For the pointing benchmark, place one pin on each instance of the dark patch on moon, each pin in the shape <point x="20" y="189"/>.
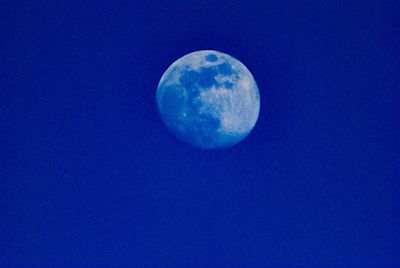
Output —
<point x="189" y="78"/>
<point x="207" y="78"/>
<point x="171" y="103"/>
<point x="211" y="58"/>
<point x="225" y="69"/>
<point x="228" y="85"/>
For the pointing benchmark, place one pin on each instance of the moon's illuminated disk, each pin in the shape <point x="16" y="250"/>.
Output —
<point x="208" y="99"/>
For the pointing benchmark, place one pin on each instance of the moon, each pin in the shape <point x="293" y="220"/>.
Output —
<point x="208" y="99"/>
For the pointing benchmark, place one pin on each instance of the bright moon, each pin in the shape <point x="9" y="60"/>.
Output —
<point x="208" y="99"/>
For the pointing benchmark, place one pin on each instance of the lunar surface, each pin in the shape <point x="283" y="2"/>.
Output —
<point x="208" y="99"/>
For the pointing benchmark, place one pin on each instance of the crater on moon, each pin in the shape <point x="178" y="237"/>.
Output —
<point x="208" y="99"/>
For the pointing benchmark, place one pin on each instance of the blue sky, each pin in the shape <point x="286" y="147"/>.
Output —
<point x="90" y="176"/>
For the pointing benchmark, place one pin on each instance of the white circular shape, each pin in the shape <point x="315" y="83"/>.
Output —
<point x="208" y="99"/>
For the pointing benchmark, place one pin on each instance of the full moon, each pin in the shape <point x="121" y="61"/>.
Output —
<point x="208" y="99"/>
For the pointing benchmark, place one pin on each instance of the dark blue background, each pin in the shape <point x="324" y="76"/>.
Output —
<point x="90" y="177"/>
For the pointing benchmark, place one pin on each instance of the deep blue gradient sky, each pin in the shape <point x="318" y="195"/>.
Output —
<point x="90" y="177"/>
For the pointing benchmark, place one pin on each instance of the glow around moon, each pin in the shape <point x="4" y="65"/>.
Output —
<point x="208" y="99"/>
